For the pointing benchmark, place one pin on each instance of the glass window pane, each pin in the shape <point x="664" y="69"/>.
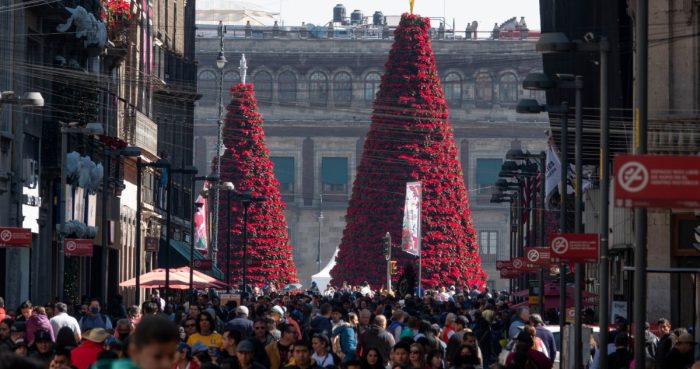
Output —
<point x="372" y="81"/>
<point x="484" y="87"/>
<point x="508" y="88"/>
<point x="284" y="172"/>
<point x="342" y="89"/>
<point x="207" y="87"/>
<point x="287" y="87"/>
<point x="493" y="242"/>
<point x="453" y="89"/>
<point x="318" y="89"/>
<point x="334" y="174"/>
<point x="263" y="86"/>
<point x="231" y="78"/>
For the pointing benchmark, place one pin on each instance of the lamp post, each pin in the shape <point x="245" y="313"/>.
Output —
<point x="163" y="164"/>
<point x="108" y="155"/>
<point x="320" y="222"/>
<point x="558" y="42"/>
<point x="66" y="129"/>
<point x="192" y="230"/>
<point x="246" y="198"/>
<point x="228" y="187"/>
<point x="220" y="64"/>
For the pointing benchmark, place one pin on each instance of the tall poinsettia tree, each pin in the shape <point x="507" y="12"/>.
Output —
<point x="410" y="139"/>
<point x="246" y="163"/>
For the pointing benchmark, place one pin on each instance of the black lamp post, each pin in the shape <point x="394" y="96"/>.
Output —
<point x="245" y="198"/>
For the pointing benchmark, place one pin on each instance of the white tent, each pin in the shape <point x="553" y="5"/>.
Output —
<point x="323" y="277"/>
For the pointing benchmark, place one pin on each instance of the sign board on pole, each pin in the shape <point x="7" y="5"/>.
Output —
<point x="202" y="264"/>
<point x="77" y="247"/>
<point x="539" y="256"/>
<point x="522" y="265"/>
<point x="618" y="310"/>
<point x="657" y="181"/>
<point x="575" y="247"/>
<point x="15" y="237"/>
<point x="411" y="232"/>
<point x="504" y="264"/>
<point x="152" y="244"/>
<point x="509" y="274"/>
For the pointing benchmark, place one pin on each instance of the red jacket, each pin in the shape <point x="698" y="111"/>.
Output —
<point x="86" y="354"/>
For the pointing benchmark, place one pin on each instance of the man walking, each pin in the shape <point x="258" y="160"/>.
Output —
<point x="62" y="319"/>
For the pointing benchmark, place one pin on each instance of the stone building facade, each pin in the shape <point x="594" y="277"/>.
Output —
<point x="316" y="96"/>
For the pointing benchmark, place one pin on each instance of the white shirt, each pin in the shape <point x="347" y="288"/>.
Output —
<point x="323" y="361"/>
<point x="64" y="320"/>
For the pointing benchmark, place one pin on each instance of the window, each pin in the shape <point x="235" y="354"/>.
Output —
<point x="508" y="88"/>
<point x="284" y="172"/>
<point x="342" y="89"/>
<point x="484" y="88"/>
<point x="287" y="87"/>
<point x="231" y="78"/>
<point x="487" y="174"/>
<point x="207" y="87"/>
<point x="263" y="86"/>
<point x="488" y="242"/>
<point x="453" y="89"/>
<point x="334" y="175"/>
<point x="318" y="89"/>
<point x="372" y="81"/>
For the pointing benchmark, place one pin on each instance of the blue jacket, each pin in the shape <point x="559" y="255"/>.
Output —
<point x="348" y="341"/>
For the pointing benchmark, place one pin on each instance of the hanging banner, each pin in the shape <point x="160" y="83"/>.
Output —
<point x="77" y="247"/>
<point x="411" y="232"/>
<point x="521" y="264"/>
<point x="202" y="264"/>
<point x="539" y="256"/>
<point x="200" y="225"/>
<point x="15" y="237"/>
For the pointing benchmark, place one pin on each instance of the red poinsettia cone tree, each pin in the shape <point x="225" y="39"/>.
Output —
<point x="410" y="139"/>
<point x="246" y="163"/>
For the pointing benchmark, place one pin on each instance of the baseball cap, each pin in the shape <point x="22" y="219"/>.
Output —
<point x="277" y="309"/>
<point x="42" y="335"/>
<point x="246" y="346"/>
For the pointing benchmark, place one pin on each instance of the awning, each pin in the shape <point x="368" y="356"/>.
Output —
<point x="181" y="257"/>
<point x="179" y="279"/>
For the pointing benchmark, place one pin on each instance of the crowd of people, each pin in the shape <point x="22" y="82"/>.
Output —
<point x="348" y="328"/>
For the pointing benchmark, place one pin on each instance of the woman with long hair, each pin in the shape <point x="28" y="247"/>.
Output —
<point x="372" y="359"/>
<point x="435" y="360"/>
<point x="205" y="332"/>
<point x="466" y="358"/>
<point x="416" y="357"/>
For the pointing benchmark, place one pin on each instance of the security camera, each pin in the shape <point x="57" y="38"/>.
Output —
<point x="589" y="37"/>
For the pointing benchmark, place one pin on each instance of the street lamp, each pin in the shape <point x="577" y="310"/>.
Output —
<point x="220" y="64"/>
<point x="558" y="42"/>
<point x="192" y="230"/>
<point x="540" y="81"/>
<point x="108" y="155"/>
<point x="29" y="99"/>
<point x="229" y="188"/>
<point x="66" y="129"/>
<point x="246" y="198"/>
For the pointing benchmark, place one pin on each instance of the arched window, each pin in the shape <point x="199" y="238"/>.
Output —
<point x="453" y="89"/>
<point x="287" y="87"/>
<point x="231" y="78"/>
<point x="508" y="88"/>
<point x="342" y="89"/>
<point x="207" y="87"/>
<point x="484" y="88"/>
<point x="372" y="81"/>
<point x="318" y="89"/>
<point x="263" y="86"/>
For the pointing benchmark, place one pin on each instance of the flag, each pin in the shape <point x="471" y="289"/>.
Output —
<point x="200" y="225"/>
<point x="410" y="231"/>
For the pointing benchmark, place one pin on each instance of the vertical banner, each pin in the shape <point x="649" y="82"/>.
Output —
<point x="200" y="225"/>
<point x="411" y="232"/>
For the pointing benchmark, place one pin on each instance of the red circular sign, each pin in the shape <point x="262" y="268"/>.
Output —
<point x="6" y="235"/>
<point x="533" y="255"/>
<point x="517" y="263"/>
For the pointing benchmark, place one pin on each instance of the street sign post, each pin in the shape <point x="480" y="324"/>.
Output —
<point x="77" y="247"/>
<point x="539" y="256"/>
<point x="522" y="265"/>
<point x="657" y="181"/>
<point x="509" y="273"/>
<point x="15" y="237"/>
<point x="575" y="247"/>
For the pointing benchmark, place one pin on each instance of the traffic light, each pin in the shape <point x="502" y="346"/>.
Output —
<point x="394" y="269"/>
